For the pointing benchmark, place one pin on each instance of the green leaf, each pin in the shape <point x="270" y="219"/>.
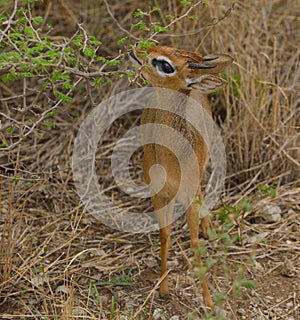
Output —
<point x="78" y="40"/>
<point x="139" y="13"/>
<point x="186" y="3"/>
<point x="102" y="59"/>
<point x="50" y="124"/>
<point x="29" y="32"/>
<point x="129" y="73"/>
<point x="37" y="48"/>
<point x="219" y="298"/>
<point x="40" y="61"/>
<point x="248" y="284"/>
<point x="62" y="96"/>
<point x="27" y="74"/>
<point x="140" y="26"/>
<point x="56" y="75"/>
<point x="272" y="192"/>
<point x="11" y="56"/>
<point x="200" y="272"/>
<point x="16" y="36"/>
<point x="8" y="77"/>
<point x="54" y="55"/>
<point x="169" y="16"/>
<point x="160" y="29"/>
<point x="99" y="81"/>
<point x="117" y="75"/>
<point x="121" y="41"/>
<point x="145" y="44"/>
<point x="267" y="190"/>
<point x="113" y="63"/>
<point x="94" y="41"/>
<point x="37" y="20"/>
<point x="89" y="52"/>
<point x="245" y="205"/>
<point x="155" y="9"/>
<point x="51" y="113"/>
<point x="10" y="130"/>
<point x="67" y="86"/>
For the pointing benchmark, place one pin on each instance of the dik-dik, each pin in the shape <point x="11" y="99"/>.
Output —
<point x="185" y="73"/>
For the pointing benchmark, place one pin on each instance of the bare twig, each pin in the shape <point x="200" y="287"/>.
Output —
<point x="10" y="20"/>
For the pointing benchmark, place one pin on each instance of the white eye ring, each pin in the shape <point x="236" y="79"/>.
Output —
<point x="161" y="63"/>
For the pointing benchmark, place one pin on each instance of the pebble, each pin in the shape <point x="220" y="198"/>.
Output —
<point x="241" y="311"/>
<point x="258" y="237"/>
<point x="78" y="312"/>
<point x="157" y="314"/>
<point x="273" y="213"/>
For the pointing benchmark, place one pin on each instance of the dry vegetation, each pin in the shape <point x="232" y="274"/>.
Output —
<point x="58" y="262"/>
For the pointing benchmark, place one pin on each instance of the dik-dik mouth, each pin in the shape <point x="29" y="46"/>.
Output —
<point x="133" y="56"/>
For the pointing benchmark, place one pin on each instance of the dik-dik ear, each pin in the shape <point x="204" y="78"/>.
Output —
<point x="206" y="83"/>
<point x="219" y="61"/>
<point x="212" y="64"/>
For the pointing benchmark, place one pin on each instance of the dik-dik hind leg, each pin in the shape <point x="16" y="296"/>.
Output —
<point x="164" y="214"/>
<point x="192" y="216"/>
<point x="205" y="227"/>
<point x="205" y="223"/>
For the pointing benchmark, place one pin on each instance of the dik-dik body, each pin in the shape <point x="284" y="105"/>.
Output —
<point x="189" y="74"/>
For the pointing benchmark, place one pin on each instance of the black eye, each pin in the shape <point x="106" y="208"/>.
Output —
<point x="163" y="66"/>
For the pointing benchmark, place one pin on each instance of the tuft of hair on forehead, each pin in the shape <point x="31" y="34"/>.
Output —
<point x="180" y="53"/>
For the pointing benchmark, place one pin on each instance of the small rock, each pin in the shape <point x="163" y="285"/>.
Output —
<point x="100" y="252"/>
<point x="272" y="213"/>
<point x="259" y="267"/>
<point x="157" y="313"/>
<point x="173" y="263"/>
<point x="258" y="237"/>
<point x="78" y="312"/>
<point x="62" y="289"/>
<point x="288" y="269"/>
<point x="174" y="318"/>
<point x="241" y="311"/>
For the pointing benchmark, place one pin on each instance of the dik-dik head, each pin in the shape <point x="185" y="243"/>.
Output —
<point x="181" y="70"/>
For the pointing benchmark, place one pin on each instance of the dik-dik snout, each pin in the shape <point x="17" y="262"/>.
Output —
<point x="187" y="74"/>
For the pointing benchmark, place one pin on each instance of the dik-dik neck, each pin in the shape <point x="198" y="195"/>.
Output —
<point x="179" y="100"/>
<point x="202" y="99"/>
<point x="187" y="113"/>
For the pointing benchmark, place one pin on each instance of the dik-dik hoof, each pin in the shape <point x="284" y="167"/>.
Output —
<point x="164" y="298"/>
<point x="209" y="303"/>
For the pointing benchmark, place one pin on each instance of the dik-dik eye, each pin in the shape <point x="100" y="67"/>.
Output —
<point x="163" y="66"/>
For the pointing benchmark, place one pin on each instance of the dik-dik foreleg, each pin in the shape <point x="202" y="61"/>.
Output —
<point x="193" y="220"/>
<point x="164" y="213"/>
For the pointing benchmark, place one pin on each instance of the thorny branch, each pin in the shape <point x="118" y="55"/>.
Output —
<point x="9" y="22"/>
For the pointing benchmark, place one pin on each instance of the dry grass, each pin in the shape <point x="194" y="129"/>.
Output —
<point x="57" y="262"/>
